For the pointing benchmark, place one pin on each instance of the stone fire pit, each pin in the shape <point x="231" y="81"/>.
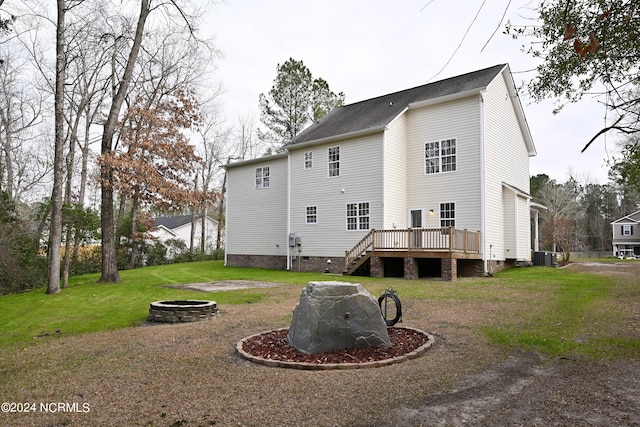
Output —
<point x="182" y="311"/>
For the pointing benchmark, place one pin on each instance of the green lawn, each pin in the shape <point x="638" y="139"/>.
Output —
<point x="554" y="311"/>
<point x="86" y="306"/>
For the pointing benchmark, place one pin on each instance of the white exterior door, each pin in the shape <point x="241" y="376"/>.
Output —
<point x="416" y="221"/>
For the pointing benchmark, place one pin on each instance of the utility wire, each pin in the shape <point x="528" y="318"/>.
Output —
<point x="498" y="26"/>
<point x="460" y="44"/>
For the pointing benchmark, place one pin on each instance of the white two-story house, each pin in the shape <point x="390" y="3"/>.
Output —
<point x="429" y="181"/>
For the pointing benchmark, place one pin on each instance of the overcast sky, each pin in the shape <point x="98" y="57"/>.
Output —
<point x="368" y="48"/>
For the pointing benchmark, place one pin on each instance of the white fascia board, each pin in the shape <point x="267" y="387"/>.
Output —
<point x="441" y="99"/>
<point x="256" y="160"/>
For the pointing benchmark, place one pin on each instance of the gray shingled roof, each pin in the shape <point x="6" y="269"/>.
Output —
<point x="378" y="112"/>
<point x="173" y="222"/>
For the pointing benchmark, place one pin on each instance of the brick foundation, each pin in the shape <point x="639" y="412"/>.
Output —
<point x="449" y="269"/>
<point x="410" y="268"/>
<point x="376" y="267"/>
<point x="470" y="268"/>
<point x="274" y="262"/>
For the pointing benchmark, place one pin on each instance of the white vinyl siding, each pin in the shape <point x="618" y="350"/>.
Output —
<point x="360" y="180"/>
<point x="256" y="221"/>
<point x="457" y="120"/>
<point x="507" y="161"/>
<point x="395" y="174"/>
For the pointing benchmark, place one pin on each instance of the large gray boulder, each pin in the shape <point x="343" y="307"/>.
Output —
<point x="334" y="316"/>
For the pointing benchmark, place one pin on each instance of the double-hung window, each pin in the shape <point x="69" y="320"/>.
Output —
<point x="334" y="161"/>
<point x="440" y="156"/>
<point x="358" y="216"/>
<point x="447" y="214"/>
<point x="627" y="230"/>
<point x="308" y="160"/>
<point x="262" y="177"/>
<point x="312" y="214"/>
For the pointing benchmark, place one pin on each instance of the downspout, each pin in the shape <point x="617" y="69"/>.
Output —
<point x="288" y="212"/>
<point x="517" y="228"/>
<point x="483" y="182"/>
<point x="226" y="215"/>
<point x="384" y="180"/>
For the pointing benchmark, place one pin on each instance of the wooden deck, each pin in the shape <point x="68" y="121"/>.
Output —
<point x="417" y="243"/>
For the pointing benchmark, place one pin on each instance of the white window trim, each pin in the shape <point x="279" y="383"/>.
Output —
<point x="306" y="215"/>
<point x="329" y="162"/>
<point x="346" y="219"/>
<point x="262" y="186"/>
<point x="304" y="160"/>
<point x="455" y="214"/>
<point x="440" y="171"/>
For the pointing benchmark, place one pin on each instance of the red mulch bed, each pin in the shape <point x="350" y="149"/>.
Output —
<point x="273" y="345"/>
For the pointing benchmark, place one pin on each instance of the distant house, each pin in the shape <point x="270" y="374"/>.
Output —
<point x="626" y="236"/>
<point x="431" y="181"/>
<point x="179" y="227"/>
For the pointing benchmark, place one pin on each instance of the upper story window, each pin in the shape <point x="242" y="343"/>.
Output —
<point x="262" y="177"/>
<point x="447" y="214"/>
<point x="334" y="161"/>
<point x="440" y="156"/>
<point x="358" y="216"/>
<point x="312" y="214"/>
<point x="308" y="160"/>
<point x="627" y="230"/>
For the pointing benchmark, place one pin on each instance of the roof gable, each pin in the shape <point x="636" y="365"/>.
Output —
<point x="376" y="113"/>
<point x="631" y="218"/>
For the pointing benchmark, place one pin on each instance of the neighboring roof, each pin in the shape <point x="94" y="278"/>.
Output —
<point x="376" y="113"/>
<point x="633" y="218"/>
<point x="173" y="222"/>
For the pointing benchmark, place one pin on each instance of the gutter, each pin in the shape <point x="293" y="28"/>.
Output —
<point x="332" y="138"/>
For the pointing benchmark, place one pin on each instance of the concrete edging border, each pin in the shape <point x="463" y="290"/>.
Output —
<point x="328" y="366"/>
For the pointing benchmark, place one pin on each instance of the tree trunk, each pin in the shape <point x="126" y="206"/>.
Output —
<point x="109" y="262"/>
<point x="134" y="229"/>
<point x="221" y="211"/>
<point x="203" y="227"/>
<point x="192" y="234"/>
<point x="55" y="234"/>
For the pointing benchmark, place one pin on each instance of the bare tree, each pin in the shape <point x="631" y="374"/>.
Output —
<point x="215" y="149"/>
<point x="55" y="233"/>
<point x="20" y="119"/>
<point x="560" y="218"/>
<point x="247" y="145"/>
<point x="173" y="13"/>
<point x="109" y="262"/>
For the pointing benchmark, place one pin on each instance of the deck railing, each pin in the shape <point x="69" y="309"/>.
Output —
<point x="416" y="240"/>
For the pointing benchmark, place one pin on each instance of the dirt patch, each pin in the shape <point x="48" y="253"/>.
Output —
<point x="226" y="285"/>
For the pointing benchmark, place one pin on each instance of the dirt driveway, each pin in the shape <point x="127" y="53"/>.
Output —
<point x="526" y="389"/>
<point x="189" y="375"/>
